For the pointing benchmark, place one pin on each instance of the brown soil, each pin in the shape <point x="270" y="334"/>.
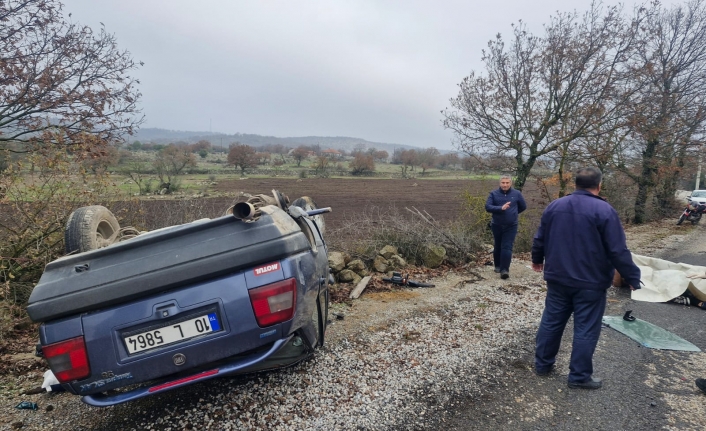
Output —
<point x="348" y="197"/>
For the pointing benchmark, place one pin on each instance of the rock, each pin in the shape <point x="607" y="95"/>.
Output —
<point x="433" y="255"/>
<point x="388" y="251"/>
<point x="336" y="261"/>
<point x="347" y="257"/>
<point x="347" y="276"/>
<point x="397" y="261"/>
<point x="356" y="266"/>
<point x="380" y="264"/>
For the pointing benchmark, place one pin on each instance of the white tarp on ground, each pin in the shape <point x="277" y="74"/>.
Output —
<point x="664" y="280"/>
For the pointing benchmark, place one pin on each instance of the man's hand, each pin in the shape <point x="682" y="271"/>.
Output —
<point x="696" y="275"/>
<point x="538" y="267"/>
<point x="506" y="206"/>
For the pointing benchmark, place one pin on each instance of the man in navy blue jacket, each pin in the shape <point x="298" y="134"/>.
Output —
<point x="505" y="203"/>
<point x="579" y="244"/>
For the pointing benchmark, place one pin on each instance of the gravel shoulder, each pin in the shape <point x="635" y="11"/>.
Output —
<point x="457" y="356"/>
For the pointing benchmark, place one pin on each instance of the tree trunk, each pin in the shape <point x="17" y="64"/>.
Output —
<point x="562" y="180"/>
<point x="523" y="172"/>
<point x="645" y="181"/>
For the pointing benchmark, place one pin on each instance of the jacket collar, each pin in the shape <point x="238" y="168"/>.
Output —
<point x="586" y="193"/>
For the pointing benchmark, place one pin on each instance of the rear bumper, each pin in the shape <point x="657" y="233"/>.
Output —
<point x="240" y="365"/>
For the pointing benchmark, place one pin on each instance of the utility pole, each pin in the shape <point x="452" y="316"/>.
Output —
<point x="698" y="171"/>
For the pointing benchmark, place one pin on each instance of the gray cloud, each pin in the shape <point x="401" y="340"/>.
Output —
<point x="377" y="70"/>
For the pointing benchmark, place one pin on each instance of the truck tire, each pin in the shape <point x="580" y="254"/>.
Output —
<point x="307" y="204"/>
<point x="90" y="228"/>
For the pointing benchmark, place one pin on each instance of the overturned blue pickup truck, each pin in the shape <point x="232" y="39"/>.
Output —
<point x="236" y="294"/>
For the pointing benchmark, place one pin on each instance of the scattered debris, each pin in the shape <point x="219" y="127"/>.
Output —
<point x="400" y="280"/>
<point x="628" y="317"/>
<point x="360" y="287"/>
<point x="26" y="405"/>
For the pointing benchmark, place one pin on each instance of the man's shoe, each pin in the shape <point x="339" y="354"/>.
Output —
<point x="504" y="274"/>
<point x="592" y="383"/>
<point x="497" y="269"/>
<point x="542" y="373"/>
<point x="701" y="384"/>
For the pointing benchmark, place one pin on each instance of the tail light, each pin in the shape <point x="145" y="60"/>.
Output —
<point x="68" y="359"/>
<point x="274" y="303"/>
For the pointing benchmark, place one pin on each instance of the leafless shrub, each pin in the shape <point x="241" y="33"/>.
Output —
<point x="374" y="228"/>
<point x="150" y="215"/>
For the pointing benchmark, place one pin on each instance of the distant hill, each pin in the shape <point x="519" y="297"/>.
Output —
<point x="163" y="136"/>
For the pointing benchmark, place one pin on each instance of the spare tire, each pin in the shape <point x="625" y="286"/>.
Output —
<point x="90" y="228"/>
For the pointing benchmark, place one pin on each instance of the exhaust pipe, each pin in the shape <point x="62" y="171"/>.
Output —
<point x="244" y="211"/>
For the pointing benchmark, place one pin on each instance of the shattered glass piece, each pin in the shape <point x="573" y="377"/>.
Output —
<point x="649" y="335"/>
<point x="26" y="405"/>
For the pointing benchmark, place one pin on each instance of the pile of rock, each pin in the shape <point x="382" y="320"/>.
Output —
<point x="345" y="269"/>
<point x="433" y="255"/>
<point x="388" y="259"/>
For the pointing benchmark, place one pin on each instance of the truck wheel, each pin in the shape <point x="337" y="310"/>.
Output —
<point x="307" y="204"/>
<point x="90" y="228"/>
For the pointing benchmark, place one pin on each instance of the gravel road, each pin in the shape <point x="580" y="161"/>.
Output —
<point x="457" y="356"/>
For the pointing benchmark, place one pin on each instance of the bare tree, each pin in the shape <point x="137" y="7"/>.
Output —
<point x="60" y="80"/>
<point x="242" y="156"/>
<point x="380" y="156"/>
<point x="137" y="170"/>
<point x="300" y="153"/>
<point x="171" y="161"/>
<point x="410" y="158"/>
<point x="321" y="164"/>
<point x="541" y="92"/>
<point x="361" y="164"/>
<point x="667" y="113"/>
<point x="427" y="158"/>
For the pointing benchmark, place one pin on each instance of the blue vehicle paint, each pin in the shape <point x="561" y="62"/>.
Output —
<point x="236" y="343"/>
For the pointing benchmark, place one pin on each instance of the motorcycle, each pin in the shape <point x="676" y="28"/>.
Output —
<point x="692" y="212"/>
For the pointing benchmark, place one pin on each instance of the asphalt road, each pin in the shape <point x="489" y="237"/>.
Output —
<point x="644" y="389"/>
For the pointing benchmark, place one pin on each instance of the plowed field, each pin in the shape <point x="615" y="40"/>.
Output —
<point x="348" y="197"/>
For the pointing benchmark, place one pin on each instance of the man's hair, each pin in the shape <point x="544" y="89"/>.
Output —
<point x="588" y="178"/>
<point x="506" y="177"/>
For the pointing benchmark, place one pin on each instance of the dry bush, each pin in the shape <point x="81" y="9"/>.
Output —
<point x="154" y="214"/>
<point x="374" y="227"/>
<point x="41" y="191"/>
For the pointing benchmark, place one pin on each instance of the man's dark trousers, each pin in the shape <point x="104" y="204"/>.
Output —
<point x="504" y="236"/>
<point x="588" y="307"/>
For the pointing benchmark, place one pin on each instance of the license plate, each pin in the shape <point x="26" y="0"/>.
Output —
<point x="172" y="333"/>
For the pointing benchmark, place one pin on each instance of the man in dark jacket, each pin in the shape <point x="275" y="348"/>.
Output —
<point x="505" y="203"/>
<point x="579" y="244"/>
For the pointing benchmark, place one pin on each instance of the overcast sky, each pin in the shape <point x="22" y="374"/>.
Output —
<point x="371" y="69"/>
